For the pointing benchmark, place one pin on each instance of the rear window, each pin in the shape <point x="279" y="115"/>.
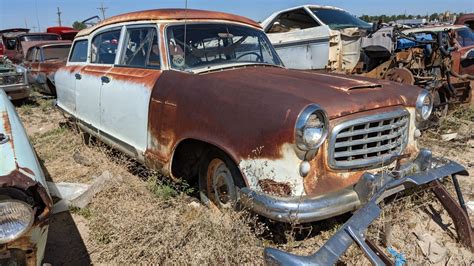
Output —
<point x="56" y="52"/>
<point x="39" y="37"/>
<point x="79" y="51"/>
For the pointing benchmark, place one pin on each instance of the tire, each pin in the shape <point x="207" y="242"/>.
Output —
<point x="51" y="88"/>
<point x="219" y="180"/>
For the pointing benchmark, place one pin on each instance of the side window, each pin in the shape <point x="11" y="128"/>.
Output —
<point x="292" y="20"/>
<point x="79" y="51"/>
<point x="141" y="48"/>
<point x="104" y="47"/>
<point x="30" y="55"/>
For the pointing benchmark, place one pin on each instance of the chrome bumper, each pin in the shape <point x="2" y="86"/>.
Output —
<point x="17" y="91"/>
<point x="310" y="209"/>
<point x="371" y="189"/>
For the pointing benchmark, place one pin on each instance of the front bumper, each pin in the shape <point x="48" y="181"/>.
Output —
<point x="422" y="170"/>
<point x="16" y="91"/>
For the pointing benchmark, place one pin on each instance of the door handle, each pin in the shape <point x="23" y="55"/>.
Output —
<point x="105" y="79"/>
<point x="78" y="76"/>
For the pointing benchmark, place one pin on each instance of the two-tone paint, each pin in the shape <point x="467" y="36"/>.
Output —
<point x="154" y="114"/>
<point x="21" y="173"/>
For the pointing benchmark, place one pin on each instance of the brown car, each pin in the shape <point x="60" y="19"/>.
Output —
<point x="203" y="96"/>
<point x="42" y="61"/>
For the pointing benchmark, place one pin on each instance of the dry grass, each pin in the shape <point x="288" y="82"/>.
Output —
<point x="146" y="219"/>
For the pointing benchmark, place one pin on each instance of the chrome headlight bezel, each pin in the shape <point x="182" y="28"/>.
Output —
<point x="26" y="209"/>
<point x="301" y="126"/>
<point x="422" y="115"/>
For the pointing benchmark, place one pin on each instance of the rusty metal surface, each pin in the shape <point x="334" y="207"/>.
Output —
<point x="273" y="94"/>
<point x="20" y="169"/>
<point x="458" y="215"/>
<point x="271" y="187"/>
<point x="379" y="252"/>
<point x="170" y="14"/>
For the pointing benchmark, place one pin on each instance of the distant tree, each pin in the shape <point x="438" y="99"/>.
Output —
<point x="78" y="25"/>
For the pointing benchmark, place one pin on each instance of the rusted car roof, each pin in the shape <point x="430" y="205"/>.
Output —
<point x="27" y="45"/>
<point x="169" y="14"/>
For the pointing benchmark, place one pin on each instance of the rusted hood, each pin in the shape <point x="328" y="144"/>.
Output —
<point x="17" y="156"/>
<point x="339" y="95"/>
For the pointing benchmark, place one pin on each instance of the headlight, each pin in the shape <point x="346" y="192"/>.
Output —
<point x="424" y="105"/>
<point x="16" y="217"/>
<point x="311" y="128"/>
<point x="20" y="70"/>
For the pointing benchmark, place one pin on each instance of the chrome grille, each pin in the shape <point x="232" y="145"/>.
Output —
<point x="368" y="141"/>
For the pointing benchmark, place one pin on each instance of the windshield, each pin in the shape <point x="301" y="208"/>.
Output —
<point x="56" y="52"/>
<point x="465" y="37"/>
<point x="213" y="45"/>
<point x="339" y="19"/>
<point x="42" y="37"/>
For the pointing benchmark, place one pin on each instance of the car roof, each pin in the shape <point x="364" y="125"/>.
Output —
<point x="40" y="44"/>
<point x="169" y="14"/>
<point x="274" y="14"/>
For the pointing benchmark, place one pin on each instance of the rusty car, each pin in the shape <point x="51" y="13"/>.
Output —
<point x="42" y="61"/>
<point x="7" y="39"/>
<point x="13" y="79"/>
<point x="25" y="203"/>
<point x="203" y="97"/>
<point x="466" y="19"/>
<point x="316" y="37"/>
<point x="17" y="44"/>
<point x="439" y="58"/>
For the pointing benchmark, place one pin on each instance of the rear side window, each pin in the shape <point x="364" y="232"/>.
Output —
<point x="79" y="51"/>
<point x="141" y="48"/>
<point x="104" y="47"/>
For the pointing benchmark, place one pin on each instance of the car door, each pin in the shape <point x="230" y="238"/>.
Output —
<point x="66" y="78"/>
<point x="300" y="40"/>
<point x="103" y="50"/>
<point x="125" y="97"/>
<point x="31" y="65"/>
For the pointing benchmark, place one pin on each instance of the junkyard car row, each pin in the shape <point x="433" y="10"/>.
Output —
<point x="193" y="93"/>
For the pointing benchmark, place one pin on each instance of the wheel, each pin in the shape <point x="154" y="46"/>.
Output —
<point x="51" y="88"/>
<point x="219" y="179"/>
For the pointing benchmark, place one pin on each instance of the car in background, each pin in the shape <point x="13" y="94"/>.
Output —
<point x="66" y="33"/>
<point x="13" y="79"/>
<point x="466" y="19"/>
<point x="316" y="37"/>
<point x="42" y="61"/>
<point x="18" y="44"/>
<point x="25" y="202"/>
<point x="7" y="40"/>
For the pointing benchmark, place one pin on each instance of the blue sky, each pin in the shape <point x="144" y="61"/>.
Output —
<point x="14" y="13"/>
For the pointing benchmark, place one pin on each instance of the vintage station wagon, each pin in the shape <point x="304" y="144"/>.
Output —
<point x="203" y="96"/>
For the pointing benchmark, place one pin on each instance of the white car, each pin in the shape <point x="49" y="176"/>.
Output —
<point x="316" y="37"/>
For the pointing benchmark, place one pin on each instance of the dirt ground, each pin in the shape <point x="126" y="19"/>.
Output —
<point x="143" y="218"/>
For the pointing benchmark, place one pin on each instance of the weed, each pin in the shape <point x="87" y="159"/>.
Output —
<point x="159" y="189"/>
<point x="84" y="212"/>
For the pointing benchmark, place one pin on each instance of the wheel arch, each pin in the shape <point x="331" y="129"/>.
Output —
<point x="187" y="152"/>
